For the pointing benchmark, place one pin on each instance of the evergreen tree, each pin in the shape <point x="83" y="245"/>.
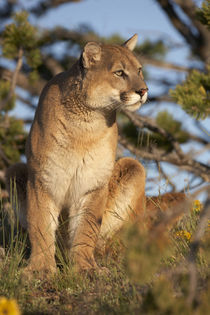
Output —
<point x="194" y="94"/>
<point x="18" y="42"/>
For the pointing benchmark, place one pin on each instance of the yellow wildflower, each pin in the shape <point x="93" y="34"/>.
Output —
<point x="197" y="205"/>
<point x="8" y="307"/>
<point x="185" y="234"/>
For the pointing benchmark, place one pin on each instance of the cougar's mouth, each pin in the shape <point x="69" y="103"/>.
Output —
<point x="129" y="98"/>
<point x="144" y="98"/>
<point x="133" y="107"/>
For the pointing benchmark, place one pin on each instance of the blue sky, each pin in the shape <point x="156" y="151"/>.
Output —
<point x="114" y="16"/>
<point x="106" y="17"/>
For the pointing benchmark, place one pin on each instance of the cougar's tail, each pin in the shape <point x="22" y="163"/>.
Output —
<point x="16" y="181"/>
<point x="170" y="205"/>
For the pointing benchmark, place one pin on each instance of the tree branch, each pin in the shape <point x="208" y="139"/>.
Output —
<point x="187" y="164"/>
<point x="199" y="42"/>
<point x="45" y="5"/>
<point x="189" y="8"/>
<point x="162" y="64"/>
<point x="26" y="102"/>
<point x="4" y="158"/>
<point x="165" y="176"/>
<point x="23" y="81"/>
<point x="14" y="79"/>
<point x="7" y="9"/>
<point x="63" y="34"/>
<point x="160" y="98"/>
<point x="53" y="65"/>
<point x="145" y="122"/>
<point x="182" y="28"/>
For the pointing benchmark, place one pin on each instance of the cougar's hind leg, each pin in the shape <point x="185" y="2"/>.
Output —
<point x="16" y="182"/>
<point x="126" y="197"/>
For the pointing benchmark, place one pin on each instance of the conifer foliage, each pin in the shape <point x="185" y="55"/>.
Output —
<point x="194" y="94"/>
<point x="19" y="40"/>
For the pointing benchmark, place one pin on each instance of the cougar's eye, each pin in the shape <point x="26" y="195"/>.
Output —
<point x="119" y="73"/>
<point x="139" y="70"/>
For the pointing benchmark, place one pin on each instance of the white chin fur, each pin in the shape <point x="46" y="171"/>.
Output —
<point x="144" y="98"/>
<point x="136" y="98"/>
<point x="133" y="99"/>
<point x="134" y="107"/>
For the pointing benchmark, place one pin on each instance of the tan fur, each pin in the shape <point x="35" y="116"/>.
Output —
<point x="71" y="149"/>
<point x="167" y="208"/>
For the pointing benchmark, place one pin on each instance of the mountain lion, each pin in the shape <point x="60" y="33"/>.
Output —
<point x="71" y="149"/>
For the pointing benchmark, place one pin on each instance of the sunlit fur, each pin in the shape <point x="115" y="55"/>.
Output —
<point x="71" y="173"/>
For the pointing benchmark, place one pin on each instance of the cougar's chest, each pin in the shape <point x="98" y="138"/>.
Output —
<point x="72" y="173"/>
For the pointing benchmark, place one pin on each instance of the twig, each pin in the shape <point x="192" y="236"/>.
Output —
<point x="28" y="120"/>
<point x="4" y="158"/>
<point x="53" y="65"/>
<point x="165" y="176"/>
<point x="187" y="164"/>
<point x="145" y="122"/>
<point x="23" y="81"/>
<point x="44" y="6"/>
<point x="26" y="102"/>
<point x="160" y="98"/>
<point x="14" y="79"/>
<point x="199" y="40"/>
<point x="162" y="64"/>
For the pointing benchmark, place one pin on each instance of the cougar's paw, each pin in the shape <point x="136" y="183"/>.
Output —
<point x="37" y="272"/>
<point x="96" y="273"/>
<point x="103" y="271"/>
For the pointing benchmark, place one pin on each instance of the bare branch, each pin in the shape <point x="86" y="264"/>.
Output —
<point x="189" y="8"/>
<point x="199" y="42"/>
<point x="162" y="64"/>
<point x="23" y="81"/>
<point x="45" y="5"/>
<point x="7" y="9"/>
<point x="3" y="157"/>
<point x="28" y="120"/>
<point x="160" y="98"/>
<point x="14" y="79"/>
<point x="63" y="34"/>
<point x="26" y="102"/>
<point x="187" y="164"/>
<point x="165" y="176"/>
<point x="53" y="65"/>
<point x="145" y="122"/>
<point x="182" y="28"/>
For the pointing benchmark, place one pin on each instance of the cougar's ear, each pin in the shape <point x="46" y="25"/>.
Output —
<point x="91" y="54"/>
<point x="131" y="42"/>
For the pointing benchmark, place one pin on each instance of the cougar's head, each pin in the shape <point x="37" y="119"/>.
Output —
<point x="113" y="76"/>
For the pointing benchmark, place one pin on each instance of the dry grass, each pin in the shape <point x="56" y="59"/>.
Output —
<point x="148" y="274"/>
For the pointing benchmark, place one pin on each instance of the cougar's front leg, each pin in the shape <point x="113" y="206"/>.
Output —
<point x="126" y="197"/>
<point x="85" y="228"/>
<point x="42" y="219"/>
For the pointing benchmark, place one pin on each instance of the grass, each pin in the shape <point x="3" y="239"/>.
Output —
<point x="148" y="275"/>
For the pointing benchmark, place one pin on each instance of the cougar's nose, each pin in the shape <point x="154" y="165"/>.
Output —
<point x="141" y="92"/>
